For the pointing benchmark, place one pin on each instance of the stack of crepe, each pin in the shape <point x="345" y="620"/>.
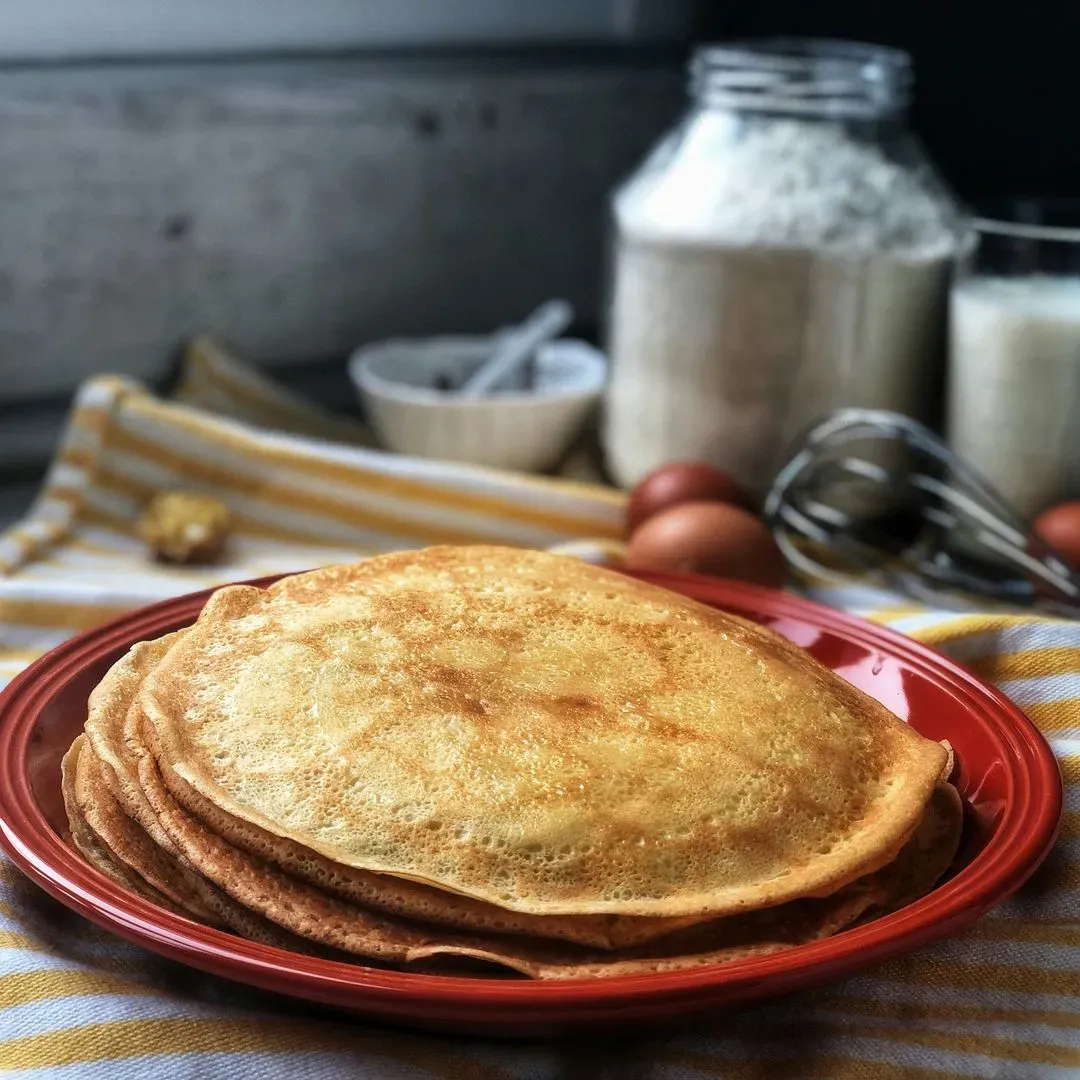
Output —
<point x="483" y="754"/>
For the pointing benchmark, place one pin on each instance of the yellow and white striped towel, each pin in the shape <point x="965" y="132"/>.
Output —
<point x="1002" y="1001"/>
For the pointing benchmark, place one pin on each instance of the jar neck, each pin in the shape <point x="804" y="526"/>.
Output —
<point x="806" y="78"/>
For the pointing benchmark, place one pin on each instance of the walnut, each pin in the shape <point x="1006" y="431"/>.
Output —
<point x="183" y="528"/>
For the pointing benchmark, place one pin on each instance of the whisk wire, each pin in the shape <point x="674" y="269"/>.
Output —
<point x="879" y="492"/>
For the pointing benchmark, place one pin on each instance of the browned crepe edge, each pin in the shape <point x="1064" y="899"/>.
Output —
<point x="916" y="763"/>
<point x="127" y="841"/>
<point x="318" y="917"/>
<point x="108" y="727"/>
<point x="391" y="895"/>
<point x="92" y="848"/>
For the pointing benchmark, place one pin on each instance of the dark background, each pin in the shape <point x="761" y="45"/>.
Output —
<point x="114" y="253"/>
<point x="996" y="86"/>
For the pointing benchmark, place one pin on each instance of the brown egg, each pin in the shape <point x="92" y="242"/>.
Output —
<point x="1060" y="528"/>
<point x="679" y="482"/>
<point x="708" y="538"/>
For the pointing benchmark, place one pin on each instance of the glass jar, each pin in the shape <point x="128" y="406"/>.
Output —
<point x="1013" y="403"/>
<point x="784" y="251"/>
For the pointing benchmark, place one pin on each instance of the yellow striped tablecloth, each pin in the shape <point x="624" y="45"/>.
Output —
<point x="1002" y="1001"/>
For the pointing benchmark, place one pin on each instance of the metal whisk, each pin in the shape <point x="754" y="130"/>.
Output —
<point x="877" y="494"/>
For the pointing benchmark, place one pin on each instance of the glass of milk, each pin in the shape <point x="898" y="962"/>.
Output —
<point x="1013" y="407"/>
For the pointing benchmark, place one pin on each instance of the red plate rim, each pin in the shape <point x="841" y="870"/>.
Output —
<point x="1023" y="839"/>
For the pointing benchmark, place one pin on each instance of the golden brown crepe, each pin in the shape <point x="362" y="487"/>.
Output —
<point x="109" y="717"/>
<point x="537" y="733"/>
<point x="91" y="845"/>
<point x="497" y="755"/>
<point x="143" y="865"/>
<point x="323" y="920"/>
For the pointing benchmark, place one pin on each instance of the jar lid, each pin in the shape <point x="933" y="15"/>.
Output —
<point x="812" y="77"/>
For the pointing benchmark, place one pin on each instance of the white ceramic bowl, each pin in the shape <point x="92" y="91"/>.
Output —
<point x="508" y="429"/>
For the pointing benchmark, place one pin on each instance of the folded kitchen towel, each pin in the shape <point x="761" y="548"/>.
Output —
<point x="307" y="488"/>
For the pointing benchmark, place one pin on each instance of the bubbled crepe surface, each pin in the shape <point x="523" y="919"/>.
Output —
<point x="258" y="899"/>
<point x="318" y="920"/>
<point x="536" y="733"/>
<point x="113" y="730"/>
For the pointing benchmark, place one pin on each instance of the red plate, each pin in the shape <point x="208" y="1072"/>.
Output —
<point x="1006" y="773"/>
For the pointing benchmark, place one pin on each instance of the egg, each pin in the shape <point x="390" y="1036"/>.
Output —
<point x="680" y="482"/>
<point x="1060" y="528"/>
<point x="708" y="538"/>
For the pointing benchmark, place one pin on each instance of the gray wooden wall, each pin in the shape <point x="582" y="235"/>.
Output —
<point x="300" y="208"/>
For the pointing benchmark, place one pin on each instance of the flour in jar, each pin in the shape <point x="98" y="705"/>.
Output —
<point x="757" y="288"/>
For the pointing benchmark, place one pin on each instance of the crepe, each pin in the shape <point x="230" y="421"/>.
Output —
<point x="538" y="734"/>
<point x="91" y="846"/>
<point x="143" y="864"/>
<point x="140" y="834"/>
<point x="127" y="845"/>
<point x="922" y="861"/>
<point x="318" y="918"/>
<point x="114" y="826"/>
<point x="398" y="896"/>
<point x="559" y="724"/>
